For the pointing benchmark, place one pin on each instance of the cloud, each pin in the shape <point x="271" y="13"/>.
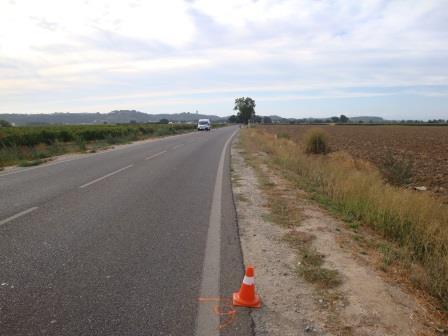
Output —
<point x="286" y="51"/>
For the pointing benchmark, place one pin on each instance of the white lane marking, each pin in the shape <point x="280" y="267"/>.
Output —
<point x="20" y="214"/>
<point x="177" y="146"/>
<point x="155" y="155"/>
<point x="207" y="323"/>
<point x="106" y="176"/>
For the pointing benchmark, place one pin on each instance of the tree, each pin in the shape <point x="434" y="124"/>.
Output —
<point x="343" y="119"/>
<point x="164" y="121"/>
<point x="4" y="123"/>
<point x="335" y="119"/>
<point x="246" y="109"/>
<point x="233" y="119"/>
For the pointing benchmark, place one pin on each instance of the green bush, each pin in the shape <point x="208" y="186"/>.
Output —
<point x="4" y="123"/>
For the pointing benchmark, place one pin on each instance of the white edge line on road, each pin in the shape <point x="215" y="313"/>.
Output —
<point x="20" y="214"/>
<point x="155" y="155"/>
<point x="105" y="176"/>
<point x="207" y="323"/>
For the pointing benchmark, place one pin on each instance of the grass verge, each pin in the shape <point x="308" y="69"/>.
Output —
<point x="284" y="212"/>
<point x="356" y="190"/>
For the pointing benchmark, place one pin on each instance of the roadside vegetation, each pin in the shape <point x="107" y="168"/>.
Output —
<point x="284" y="212"/>
<point x="409" y="156"/>
<point x="316" y="141"/>
<point x="357" y="191"/>
<point x="28" y="146"/>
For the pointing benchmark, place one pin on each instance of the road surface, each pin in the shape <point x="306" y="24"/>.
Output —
<point x="122" y="242"/>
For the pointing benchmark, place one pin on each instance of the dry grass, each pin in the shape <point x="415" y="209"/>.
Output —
<point x="356" y="190"/>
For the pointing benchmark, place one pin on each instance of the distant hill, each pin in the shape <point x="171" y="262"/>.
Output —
<point x="114" y="117"/>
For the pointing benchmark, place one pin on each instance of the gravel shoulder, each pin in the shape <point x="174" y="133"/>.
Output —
<point x="365" y="302"/>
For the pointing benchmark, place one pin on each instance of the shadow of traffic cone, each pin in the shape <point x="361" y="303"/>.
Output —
<point x="247" y="297"/>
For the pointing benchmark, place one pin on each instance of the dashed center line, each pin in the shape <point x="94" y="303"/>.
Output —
<point x="155" y="155"/>
<point x="20" y="214"/>
<point x="177" y="146"/>
<point x="106" y="176"/>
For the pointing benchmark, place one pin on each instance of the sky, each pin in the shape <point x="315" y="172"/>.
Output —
<point x="296" y="58"/>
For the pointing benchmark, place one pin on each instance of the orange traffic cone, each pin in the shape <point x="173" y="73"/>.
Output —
<point x="247" y="297"/>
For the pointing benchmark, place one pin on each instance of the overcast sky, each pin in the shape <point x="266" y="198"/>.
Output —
<point x="295" y="58"/>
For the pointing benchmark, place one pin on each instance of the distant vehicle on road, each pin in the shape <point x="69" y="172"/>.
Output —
<point x="204" y="125"/>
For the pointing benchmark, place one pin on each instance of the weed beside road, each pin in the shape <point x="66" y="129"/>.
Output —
<point x="356" y="190"/>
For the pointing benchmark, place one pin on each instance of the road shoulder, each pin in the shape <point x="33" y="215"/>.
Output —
<point x="344" y="295"/>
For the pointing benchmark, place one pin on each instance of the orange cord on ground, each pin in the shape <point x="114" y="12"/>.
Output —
<point x="223" y="307"/>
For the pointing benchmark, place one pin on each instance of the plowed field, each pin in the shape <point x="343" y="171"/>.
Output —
<point x="426" y="147"/>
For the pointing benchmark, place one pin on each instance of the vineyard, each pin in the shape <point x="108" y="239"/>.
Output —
<point x="30" y="145"/>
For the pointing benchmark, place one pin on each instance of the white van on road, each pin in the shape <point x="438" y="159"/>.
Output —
<point x="204" y="125"/>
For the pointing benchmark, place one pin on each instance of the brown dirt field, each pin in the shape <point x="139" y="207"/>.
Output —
<point x="425" y="146"/>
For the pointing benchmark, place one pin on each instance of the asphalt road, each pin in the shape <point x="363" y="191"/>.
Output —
<point x="114" y="243"/>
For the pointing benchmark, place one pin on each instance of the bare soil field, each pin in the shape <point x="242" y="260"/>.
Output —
<point x="424" y="147"/>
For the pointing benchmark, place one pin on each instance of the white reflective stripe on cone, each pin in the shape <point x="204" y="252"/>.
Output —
<point x="248" y="281"/>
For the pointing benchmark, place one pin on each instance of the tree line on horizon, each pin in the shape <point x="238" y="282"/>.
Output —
<point x="245" y="107"/>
